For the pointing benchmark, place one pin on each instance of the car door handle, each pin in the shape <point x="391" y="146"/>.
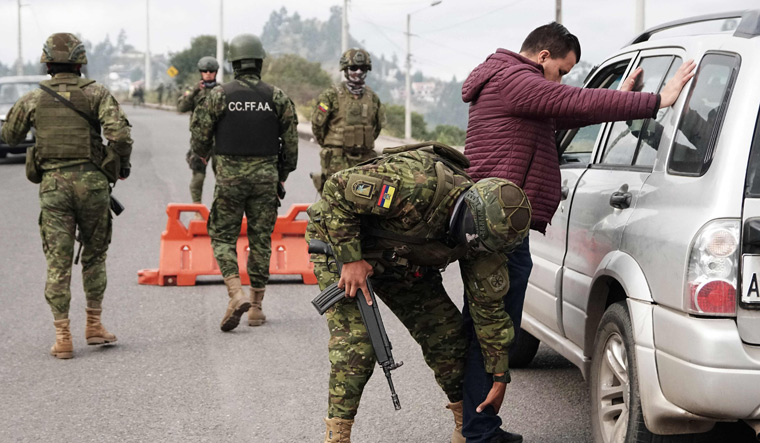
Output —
<point x="620" y="200"/>
<point x="565" y="192"/>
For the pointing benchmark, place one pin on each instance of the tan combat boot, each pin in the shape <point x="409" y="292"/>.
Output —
<point x="456" y="409"/>
<point x="338" y="430"/>
<point x="95" y="332"/>
<point x="63" y="348"/>
<point x="256" y="316"/>
<point x="237" y="306"/>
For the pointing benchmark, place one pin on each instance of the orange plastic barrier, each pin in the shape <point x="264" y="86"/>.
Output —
<point x="186" y="251"/>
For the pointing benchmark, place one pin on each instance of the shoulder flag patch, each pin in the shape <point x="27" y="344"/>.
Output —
<point x="323" y="107"/>
<point x="386" y="196"/>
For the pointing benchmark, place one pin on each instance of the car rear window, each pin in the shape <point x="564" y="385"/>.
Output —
<point x="702" y="114"/>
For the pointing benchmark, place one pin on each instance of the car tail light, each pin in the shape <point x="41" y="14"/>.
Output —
<point x="711" y="279"/>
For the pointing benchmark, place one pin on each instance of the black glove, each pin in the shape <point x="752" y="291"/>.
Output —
<point x="123" y="173"/>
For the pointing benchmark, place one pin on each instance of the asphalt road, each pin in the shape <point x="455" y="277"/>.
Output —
<point x="174" y="376"/>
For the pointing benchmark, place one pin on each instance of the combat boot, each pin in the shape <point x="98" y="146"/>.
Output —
<point x="256" y="315"/>
<point x="457" y="409"/>
<point x="95" y="332"/>
<point x="63" y="348"/>
<point x="338" y="430"/>
<point x="237" y="306"/>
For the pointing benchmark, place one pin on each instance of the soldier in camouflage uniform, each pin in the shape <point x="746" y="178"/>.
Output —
<point x="73" y="169"/>
<point x="347" y="119"/>
<point x="254" y="125"/>
<point x="187" y="102"/>
<point x="401" y="219"/>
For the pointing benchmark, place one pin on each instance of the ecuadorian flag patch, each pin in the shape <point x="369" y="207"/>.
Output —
<point x="323" y="107"/>
<point x="386" y="196"/>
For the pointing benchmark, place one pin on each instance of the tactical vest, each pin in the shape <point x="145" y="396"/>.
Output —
<point x="250" y="126"/>
<point x="353" y="120"/>
<point x="61" y="132"/>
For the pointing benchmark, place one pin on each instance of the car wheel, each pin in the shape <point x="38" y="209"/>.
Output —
<point x="616" y="415"/>
<point x="523" y="349"/>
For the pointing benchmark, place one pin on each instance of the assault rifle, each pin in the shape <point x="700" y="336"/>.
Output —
<point x="370" y="316"/>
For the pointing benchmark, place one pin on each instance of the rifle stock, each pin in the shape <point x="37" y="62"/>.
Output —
<point x="370" y="316"/>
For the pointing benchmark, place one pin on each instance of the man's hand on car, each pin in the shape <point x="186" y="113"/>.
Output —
<point x="673" y="87"/>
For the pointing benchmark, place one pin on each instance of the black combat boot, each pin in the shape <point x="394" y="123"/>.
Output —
<point x="502" y="436"/>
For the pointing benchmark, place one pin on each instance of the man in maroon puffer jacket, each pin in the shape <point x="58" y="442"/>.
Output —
<point x="516" y="104"/>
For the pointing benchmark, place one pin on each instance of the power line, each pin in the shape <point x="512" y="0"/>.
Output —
<point x="446" y="28"/>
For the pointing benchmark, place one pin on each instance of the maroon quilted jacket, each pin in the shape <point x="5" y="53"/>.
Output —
<point x="514" y="112"/>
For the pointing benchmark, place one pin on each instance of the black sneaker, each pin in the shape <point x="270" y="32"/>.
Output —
<point x="502" y="436"/>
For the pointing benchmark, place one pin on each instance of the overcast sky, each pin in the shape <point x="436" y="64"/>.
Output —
<point x="449" y="39"/>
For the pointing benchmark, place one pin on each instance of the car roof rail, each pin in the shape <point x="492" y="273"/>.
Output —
<point x="748" y="27"/>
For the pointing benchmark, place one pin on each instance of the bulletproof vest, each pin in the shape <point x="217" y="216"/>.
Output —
<point x="61" y="132"/>
<point x="250" y="126"/>
<point x="353" y="122"/>
<point x="425" y="244"/>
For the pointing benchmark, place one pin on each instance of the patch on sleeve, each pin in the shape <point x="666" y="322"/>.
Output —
<point x="323" y="107"/>
<point x="386" y="196"/>
<point x="363" y="189"/>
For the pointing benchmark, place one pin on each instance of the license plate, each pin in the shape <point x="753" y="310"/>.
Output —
<point x="750" y="279"/>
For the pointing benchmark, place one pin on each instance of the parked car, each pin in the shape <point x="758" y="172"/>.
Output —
<point x="647" y="278"/>
<point x="11" y="89"/>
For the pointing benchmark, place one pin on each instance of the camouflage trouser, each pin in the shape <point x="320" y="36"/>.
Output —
<point x="334" y="159"/>
<point x="69" y="200"/>
<point x="259" y="203"/>
<point x="199" y="175"/>
<point x="427" y="312"/>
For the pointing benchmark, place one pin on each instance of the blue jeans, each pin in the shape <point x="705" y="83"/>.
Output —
<point x="478" y="427"/>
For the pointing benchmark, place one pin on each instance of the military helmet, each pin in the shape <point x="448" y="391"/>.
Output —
<point x="63" y="48"/>
<point x="492" y="215"/>
<point x="208" y="63"/>
<point x="355" y="57"/>
<point x="246" y="46"/>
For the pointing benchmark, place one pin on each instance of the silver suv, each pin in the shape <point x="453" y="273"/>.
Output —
<point x="647" y="276"/>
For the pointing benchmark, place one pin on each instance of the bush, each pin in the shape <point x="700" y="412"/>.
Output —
<point x="301" y="80"/>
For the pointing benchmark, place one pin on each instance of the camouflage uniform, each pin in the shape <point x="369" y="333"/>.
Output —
<point x="335" y="110"/>
<point x="245" y="184"/>
<point x="187" y="102"/>
<point x="394" y="213"/>
<point x="73" y="192"/>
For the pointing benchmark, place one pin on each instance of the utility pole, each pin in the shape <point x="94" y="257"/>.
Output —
<point x="20" y="60"/>
<point x="220" y="44"/>
<point x="558" y="12"/>
<point x="639" y="17"/>
<point x="147" y="45"/>
<point x="344" y="32"/>
<point x="408" y="110"/>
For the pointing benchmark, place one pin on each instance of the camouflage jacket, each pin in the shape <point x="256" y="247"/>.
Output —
<point x="189" y="99"/>
<point x="327" y="105"/>
<point x="211" y="109"/>
<point x="116" y="127"/>
<point x="396" y="193"/>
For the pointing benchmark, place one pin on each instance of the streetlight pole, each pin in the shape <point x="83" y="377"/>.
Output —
<point x="20" y="61"/>
<point x="220" y="44"/>
<point x="408" y="111"/>
<point x="639" y="17"/>
<point x="147" y="45"/>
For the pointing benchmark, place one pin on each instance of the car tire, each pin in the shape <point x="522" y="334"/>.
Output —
<point x="523" y="349"/>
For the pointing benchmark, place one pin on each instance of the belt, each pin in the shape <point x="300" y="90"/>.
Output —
<point x="82" y="167"/>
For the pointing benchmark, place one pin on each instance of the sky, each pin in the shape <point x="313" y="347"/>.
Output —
<point x="449" y="39"/>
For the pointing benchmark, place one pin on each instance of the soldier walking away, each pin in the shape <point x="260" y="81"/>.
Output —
<point x="400" y="219"/>
<point x="347" y="118"/>
<point x="187" y="102"/>
<point x="73" y="169"/>
<point x="160" y="90"/>
<point x="254" y="128"/>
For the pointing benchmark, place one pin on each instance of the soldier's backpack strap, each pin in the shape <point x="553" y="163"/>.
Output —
<point x="451" y="155"/>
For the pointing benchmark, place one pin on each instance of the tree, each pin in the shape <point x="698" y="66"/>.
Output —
<point x="301" y="80"/>
<point x="395" y="115"/>
<point x="186" y="61"/>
